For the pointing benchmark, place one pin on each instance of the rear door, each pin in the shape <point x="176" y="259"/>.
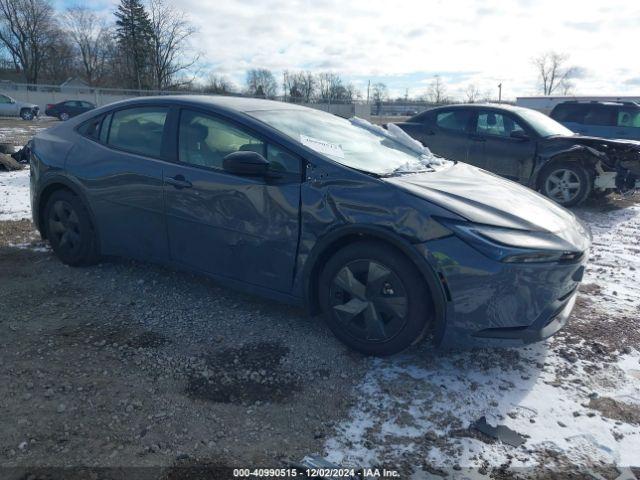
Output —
<point x="240" y="227"/>
<point x="502" y="153"/>
<point x="446" y="133"/>
<point x="120" y="160"/>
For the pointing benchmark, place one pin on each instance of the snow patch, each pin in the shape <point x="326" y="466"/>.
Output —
<point x="14" y="195"/>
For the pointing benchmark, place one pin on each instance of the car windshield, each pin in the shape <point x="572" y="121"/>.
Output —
<point x="545" y="126"/>
<point x="356" y="144"/>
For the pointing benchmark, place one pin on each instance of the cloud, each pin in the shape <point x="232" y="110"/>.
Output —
<point x="403" y="43"/>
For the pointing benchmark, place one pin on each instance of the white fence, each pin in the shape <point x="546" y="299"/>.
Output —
<point x="41" y="95"/>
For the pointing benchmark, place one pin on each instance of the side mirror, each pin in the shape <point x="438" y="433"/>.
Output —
<point x="519" y="135"/>
<point x="245" y="163"/>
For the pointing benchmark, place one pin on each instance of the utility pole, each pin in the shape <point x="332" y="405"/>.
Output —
<point x="500" y="92"/>
<point x="368" y="88"/>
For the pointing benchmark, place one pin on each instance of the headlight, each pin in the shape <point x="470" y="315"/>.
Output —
<point x="512" y="245"/>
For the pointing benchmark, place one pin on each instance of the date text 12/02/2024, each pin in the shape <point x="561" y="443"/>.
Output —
<point x="328" y="473"/>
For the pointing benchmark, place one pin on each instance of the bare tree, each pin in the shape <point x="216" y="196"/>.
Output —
<point x="92" y="38"/>
<point x="379" y="93"/>
<point x="300" y="86"/>
<point x="472" y="94"/>
<point x="27" y="28"/>
<point x="219" y="85"/>
<point x="331" y="88"/>
<point x="437" y="91"/>
<point x="553" y="72"/>
<point x="59" y="61"/>
<point x="170" y="33"/>
<point x="261" y="83"/>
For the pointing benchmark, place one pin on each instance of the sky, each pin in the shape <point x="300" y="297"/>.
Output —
<point x="405" y="44"/>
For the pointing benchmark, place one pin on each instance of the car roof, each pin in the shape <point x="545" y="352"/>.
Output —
<point x="476" y="106"/>
<point x="241" y="104"/>
<point x="600" y="102"/>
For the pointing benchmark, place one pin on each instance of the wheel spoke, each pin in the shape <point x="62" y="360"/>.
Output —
<point x="346" y="280"/>
<point x="394" y="305"/>
<point x="575" y="185"/>
<point x="58" y="208"/>
<point x="348" y="310"/>
<point x="373" y="322"/>
<point x="566" y="176"/>
<point x="56" y="226"/>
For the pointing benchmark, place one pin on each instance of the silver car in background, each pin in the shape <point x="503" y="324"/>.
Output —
<point x="14" y="108"/>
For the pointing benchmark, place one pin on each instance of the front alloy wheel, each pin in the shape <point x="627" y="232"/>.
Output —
<point x="374" y="298"/>
<point x="370" y="301"/>
<point x="567" y="184"/>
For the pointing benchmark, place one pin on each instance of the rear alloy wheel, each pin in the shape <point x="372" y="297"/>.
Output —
<point x="374" y="299"/>
<point x="69" y="229"/>
<point x="566" y="183"/>
<point x="64" y="116"/>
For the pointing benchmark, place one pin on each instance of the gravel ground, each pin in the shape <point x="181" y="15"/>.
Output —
<point x="131" y="364"/>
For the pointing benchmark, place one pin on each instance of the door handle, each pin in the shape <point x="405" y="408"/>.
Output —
<point x="179" y="182"/>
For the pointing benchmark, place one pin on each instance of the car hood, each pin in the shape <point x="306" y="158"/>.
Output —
<point x="592" y="141"/>
<point x="482" y="197"/>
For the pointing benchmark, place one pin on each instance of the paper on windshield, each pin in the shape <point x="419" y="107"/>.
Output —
<point x="322" y="146"/>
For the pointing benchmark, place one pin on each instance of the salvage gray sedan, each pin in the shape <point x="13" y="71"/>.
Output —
<point x="340" y="216"/>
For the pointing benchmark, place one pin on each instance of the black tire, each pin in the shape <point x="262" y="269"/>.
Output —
<point x="386" y="324"/>
<point x="64" y="116"/>
<point x="27" y="114"/>
<point x="69" y="229"/>
<point x="566" y="183"/>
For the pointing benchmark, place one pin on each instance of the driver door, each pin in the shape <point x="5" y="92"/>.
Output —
<point x="239" y="227"/>
<point x="501" y="152"/>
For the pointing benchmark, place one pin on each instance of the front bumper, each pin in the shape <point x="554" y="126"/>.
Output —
<point x="500" y="304"/>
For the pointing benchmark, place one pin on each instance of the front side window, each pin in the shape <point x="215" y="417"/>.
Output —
<point x="4" y="99"/>
<point x="282" y="161"/>
<point x="454" y="119"/>
<point x="205" y="140"/>
<point x="491" y="123"/>
<point x="138" y="130"/>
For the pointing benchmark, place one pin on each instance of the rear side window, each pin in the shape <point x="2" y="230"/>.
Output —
<point x="138" y="130"/>
<point x="570" y="113"/>
<point x="603" y="115"/>
<point x="91" y="128"/>
<point x="457" y="120"/>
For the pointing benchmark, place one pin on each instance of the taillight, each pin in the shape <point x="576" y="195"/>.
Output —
<point x="49" y="106"/>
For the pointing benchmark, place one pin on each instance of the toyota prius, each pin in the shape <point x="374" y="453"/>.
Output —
<point x="389" y="242"/>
